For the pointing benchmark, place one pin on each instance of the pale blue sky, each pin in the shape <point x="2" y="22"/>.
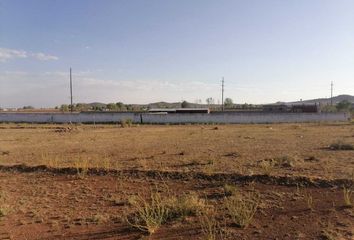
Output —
<point x="138" y="51"/>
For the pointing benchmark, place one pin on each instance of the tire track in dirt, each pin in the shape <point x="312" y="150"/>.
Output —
<point x="175" y="175"/>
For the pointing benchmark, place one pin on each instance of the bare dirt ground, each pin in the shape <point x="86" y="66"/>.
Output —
<point x="80" y="182"/>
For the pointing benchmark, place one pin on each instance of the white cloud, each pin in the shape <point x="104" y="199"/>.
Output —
<point x="52" y="88"/>
<point x="7" y="54"/>
<point x="48" y="89"/>
<point x="44" y="57"/>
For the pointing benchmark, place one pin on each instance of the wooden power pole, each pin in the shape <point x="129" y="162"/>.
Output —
<point x="222" y="94"/>
<point x="332" y="93"/>
<point x="71" y="93"/>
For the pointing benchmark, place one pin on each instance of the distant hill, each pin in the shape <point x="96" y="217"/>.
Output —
<point x="325" y="101"/>
<point x="164" y="105"/>
<point x="137" y="107"/>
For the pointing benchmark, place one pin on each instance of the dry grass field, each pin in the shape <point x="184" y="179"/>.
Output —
<point x="276" y="181"/>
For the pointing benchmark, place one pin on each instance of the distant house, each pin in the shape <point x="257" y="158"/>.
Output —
<point x="305" y="108"/>
<point x="179" y="110"/>
<point x="298" y="108"/>
<point x="276" y="108"/>
<point x="9" y="109"/>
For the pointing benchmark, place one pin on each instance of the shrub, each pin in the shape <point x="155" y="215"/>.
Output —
<point x="284" y="161"/>
<point x="267" y="167"/>
<point x="210" y="225"/>
<point x="186" y="205"/>
<point x="328" y="235"/>
<point x="149" y="215"/>
<point x="4" y="210"/>
<point x="230" y="190"/>
<point x="126" y="123"/>
<point x="242" y="208"/>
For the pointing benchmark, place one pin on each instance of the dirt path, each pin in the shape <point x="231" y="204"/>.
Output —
<point x="43" y="205"/>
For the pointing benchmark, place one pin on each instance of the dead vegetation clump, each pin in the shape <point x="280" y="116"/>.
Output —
<point x="185" y="205"/>
<point x="268" y="165"/>
<point x="348" y="197"/>
<point x="81" y="166"/>
<point x="242" y="208"/>
<point x="339" y="145"/>
<point x="210" y="224"/>
<point x="5" y="153"/>
<point x="232" y="154"/>
<point x="4" y="208"/>
<point x="328" y="235"/>
<point x="230" y="190"/>
<point x="126" y="123"/>
<point x="150" y="214"/>
<point x="285" y="161"/>
<point x="312" y="159"/>
<point x="309" y="201"/>
<point x="49" y="161"/>
<point x="69" y="129"/>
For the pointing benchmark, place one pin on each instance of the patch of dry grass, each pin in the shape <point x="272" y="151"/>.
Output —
<point x="135" y="147"/>
<point x="81" y="165"/>
<point x="242" y="208"/>
<point x="149" y="215"/>
<point x="210" y="224"/>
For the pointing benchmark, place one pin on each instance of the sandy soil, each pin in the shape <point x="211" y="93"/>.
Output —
<point x="222" y="148"/>
<point x="300" y="192"/>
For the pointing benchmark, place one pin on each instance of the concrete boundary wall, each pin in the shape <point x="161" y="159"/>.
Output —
<point x="245" y="118"/>
<point x="67" y="117"/>
<point x="252" y="117"/>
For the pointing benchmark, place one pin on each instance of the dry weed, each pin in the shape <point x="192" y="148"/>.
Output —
<point x="309" y="201"/>
<point x="242" y="208"/>
<point x="210" y="225"/>
<point x="148" y="215"/>
<point x="348" y="197"/>
<point x="81" y="165"/>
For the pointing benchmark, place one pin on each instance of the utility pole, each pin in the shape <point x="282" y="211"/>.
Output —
<point x="331" y="93"/>
<point x="222" y="94"/>
<point x="71" y="93"/>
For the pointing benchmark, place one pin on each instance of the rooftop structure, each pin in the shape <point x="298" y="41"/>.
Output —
<point x="179" y="110"/>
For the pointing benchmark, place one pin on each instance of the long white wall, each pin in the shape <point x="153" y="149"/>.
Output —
<point x="254" y="117"/>
<point x="245" y="118"/>
<point x="66" y="117"/>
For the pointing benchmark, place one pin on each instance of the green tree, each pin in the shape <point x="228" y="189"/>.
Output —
<point x="209" y="101"/>
<point x="111" y="106"/>
<point x="185" y="104"/>
<point x="28" y="107"/>
<point x="121" y="106"/>
<point x="81" y="107"/>
<point x="64" y="107"/>
<point x="344" y="105"/>
<point x="228" y="102"/>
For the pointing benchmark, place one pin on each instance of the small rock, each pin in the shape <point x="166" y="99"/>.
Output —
<point x="257" y="231"/>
